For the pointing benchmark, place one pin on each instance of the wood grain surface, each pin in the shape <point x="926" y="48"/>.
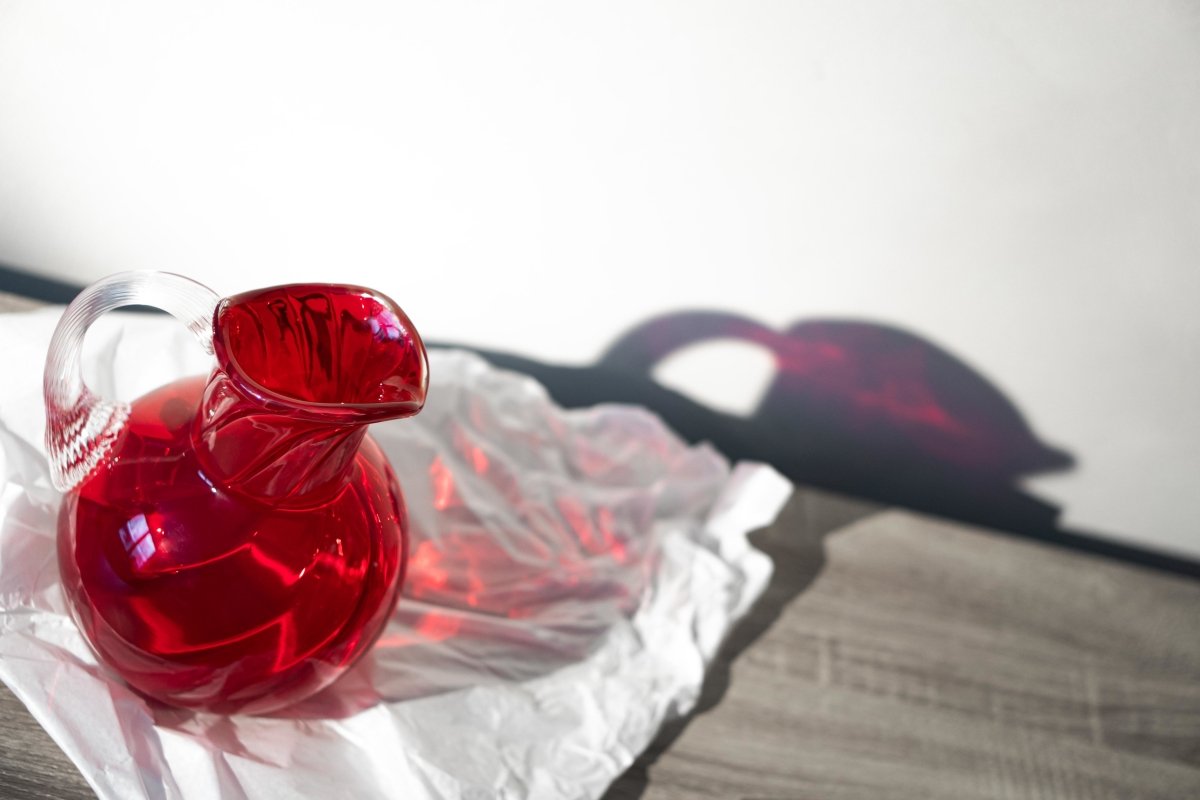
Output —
<point x="929" y="660"/>
<point x="897" y="656"/>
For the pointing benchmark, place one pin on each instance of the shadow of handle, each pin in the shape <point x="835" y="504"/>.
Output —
<point x="641" y="348"/>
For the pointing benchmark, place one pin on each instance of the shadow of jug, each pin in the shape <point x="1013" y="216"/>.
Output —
<point x="869" y="410"/>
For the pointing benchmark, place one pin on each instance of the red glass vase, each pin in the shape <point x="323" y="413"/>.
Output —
<point x="236" y="542"/>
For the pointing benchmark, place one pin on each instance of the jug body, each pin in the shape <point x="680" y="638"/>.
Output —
<point x="240" y="542"/>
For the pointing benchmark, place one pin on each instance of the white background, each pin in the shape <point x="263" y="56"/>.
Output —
<point x="1018" y="182"/>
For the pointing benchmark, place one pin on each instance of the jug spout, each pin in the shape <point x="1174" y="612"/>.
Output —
<point x="301" y="371"/>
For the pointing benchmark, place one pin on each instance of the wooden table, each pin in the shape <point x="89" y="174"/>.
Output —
<point x="898" y="656"/>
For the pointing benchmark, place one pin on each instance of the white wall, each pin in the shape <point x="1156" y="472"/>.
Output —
<point x="1017" y="181"/>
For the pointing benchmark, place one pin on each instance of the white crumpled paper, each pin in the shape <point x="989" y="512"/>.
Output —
<point x="572" y="573"/>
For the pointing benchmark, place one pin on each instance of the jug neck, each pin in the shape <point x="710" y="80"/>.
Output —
<point x="269" y="454"/>
<point x="301" y="371"/>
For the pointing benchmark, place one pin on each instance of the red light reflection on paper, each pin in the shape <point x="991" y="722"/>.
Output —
<point x="479" y="460"/>
<point x="472" y="453"/>
<point x="475" y="587"/>
<point x="424" y="569"/>
<point x="612" y="541"/>
<point x="432" y="626"/>
<point x="444" y="493"/>
<point x="598" y="536"/>
<point x="438" y="627"/>
<point x="393" y="640"/>
<point x="556" y="545"/>
<point x="577" y="518"/>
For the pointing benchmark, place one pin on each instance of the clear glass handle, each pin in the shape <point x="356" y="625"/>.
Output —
<point x="81" y="427"/>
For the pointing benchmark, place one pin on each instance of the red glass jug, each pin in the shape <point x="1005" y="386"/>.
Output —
<point x="236" y="542"/>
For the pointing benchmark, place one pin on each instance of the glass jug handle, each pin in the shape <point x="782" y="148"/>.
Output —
<point x="81" y="427"/>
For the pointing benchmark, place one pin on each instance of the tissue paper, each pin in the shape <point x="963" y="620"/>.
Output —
<point x="571" y="574"/>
